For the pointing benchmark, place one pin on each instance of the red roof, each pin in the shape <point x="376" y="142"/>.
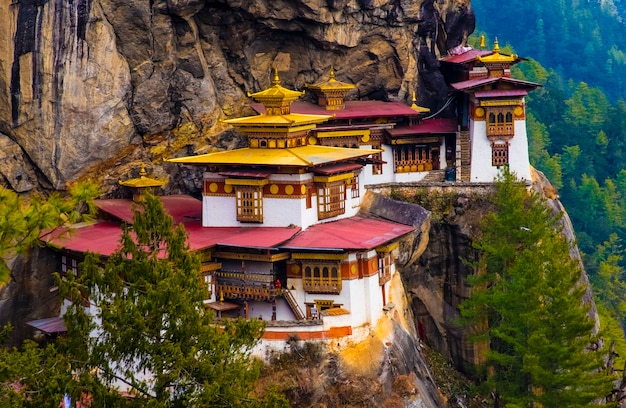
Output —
<point x="355" y="233"/>
<point x="50" y="325"/>
<point x="466" y="57"/>
<point x="352" y="110"/>
<point x="104" y="237"/>
<point x="477" y="82"/>
<point x="180" y="207"/>
<point x="245" y="237"/>
<point x="430" y="126"/>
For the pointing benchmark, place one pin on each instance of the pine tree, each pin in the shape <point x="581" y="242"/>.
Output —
<point x="22" y="220"/>
<point x="529" y="292"/>
<point x="147" y="326"/>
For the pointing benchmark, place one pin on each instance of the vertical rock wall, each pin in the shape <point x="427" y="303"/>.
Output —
<point x="92" y="87"/>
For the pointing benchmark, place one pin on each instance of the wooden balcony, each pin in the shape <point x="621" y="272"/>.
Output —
<point x="247" y="291"/>
<point x="246" y="286"/>
<point x="506" y="130"/>
<point x="319" y="285"/>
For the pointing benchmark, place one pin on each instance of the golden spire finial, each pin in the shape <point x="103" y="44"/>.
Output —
<point x="496" y="46"/>
<point x="143" y="172"/>
<point x="414" y="98"/>
<point x="482" y="41"/>
<point x="276" y="79"/>
<point x="331" y="75"/>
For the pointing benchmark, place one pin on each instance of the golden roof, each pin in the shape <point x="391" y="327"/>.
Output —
<point x="276" y="94"/>
<point x="302" y="156"/>
<point x="331" y="84"/>
<point x="496" y="58"/>
<point x="143" y="181"/>
<point x="295" y="120"/>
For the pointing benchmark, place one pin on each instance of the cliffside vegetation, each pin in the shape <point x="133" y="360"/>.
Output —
<point x="147" y="332"/>
<point x="577" y="136"/>
<point x="525" y="306"/>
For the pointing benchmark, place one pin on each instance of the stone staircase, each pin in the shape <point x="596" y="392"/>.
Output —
<point x="435" y="176"/>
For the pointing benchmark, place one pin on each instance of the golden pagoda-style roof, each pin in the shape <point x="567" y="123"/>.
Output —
<point x="331" y="93"/>
<point x="496" y="58"/>
<point x="303" y="156"/>
<point x="276" y="95"/>
<point x="143" y="181"/>
<point x="331" y="84"/>
<point x="290" y="122"/>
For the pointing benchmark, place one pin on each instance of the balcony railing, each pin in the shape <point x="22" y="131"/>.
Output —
<point x="500" y="130"/>
<point x="246" y="286"/>
<point x="322" y="285"/>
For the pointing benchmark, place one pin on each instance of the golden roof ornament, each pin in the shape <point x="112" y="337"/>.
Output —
<point x="276" y="99"/>
<point x="331" y="93"/>
<point x="143" y="181"/>
<point x="497" y="60"/>
<point x="416" y="108"/>
<point x="482" y="41"/>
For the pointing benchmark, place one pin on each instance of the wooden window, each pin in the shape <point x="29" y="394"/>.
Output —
<point x="412" y="158"/>
<point x="69" y="265"/>
<point x="249" y="203"/>
<point x="500" y="121"/>
<point x="354" y="187"/>
<point x="321" y="277"/>
<point x="499" y="154"/>
<point x="385" y="261"/>
<point x="331" y="199"/>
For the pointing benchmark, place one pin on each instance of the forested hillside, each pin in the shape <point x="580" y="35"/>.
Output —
<point x="576" y="121"/>
<point x="584" y="40"/>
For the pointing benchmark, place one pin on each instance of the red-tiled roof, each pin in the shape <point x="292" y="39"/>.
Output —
<point x="248" y="237"/>
<point x="355" y="233"/>
<point x="477" y="82"/>
<point x="104" y="237"/>
<point x="466" y="56"/>
<point x="430" y="126"/>
<point x="180" y="207"/>
<point x="50" y="325"/>
<point x="352" y="110"/>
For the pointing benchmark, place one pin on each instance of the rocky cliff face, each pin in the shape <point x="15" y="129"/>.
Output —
<point x="89" y="88"/>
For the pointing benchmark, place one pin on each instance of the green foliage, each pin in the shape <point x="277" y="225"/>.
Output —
<point x="22" y="221"/>
<point x="527" y="293"/>
<point x="147" y="326"/>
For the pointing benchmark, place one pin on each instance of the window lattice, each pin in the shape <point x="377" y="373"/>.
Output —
<point x="500" y="154"/>
<point x="331" y="199"/>
<point x="249" y="204"/>
<point x="321" y="277"/>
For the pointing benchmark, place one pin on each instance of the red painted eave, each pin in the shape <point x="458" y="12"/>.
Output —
<point x="244" y="237"/>
<point x="477" y="82"/>
<point x="430" y="126"/>
<point x="104" y="238"/>
<point x="180" y="207"/>
<point x="500" y="93"/>
<point x="466" y="57"/>
<point x="355" y="233"/>
<point x="352" y="110"/>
